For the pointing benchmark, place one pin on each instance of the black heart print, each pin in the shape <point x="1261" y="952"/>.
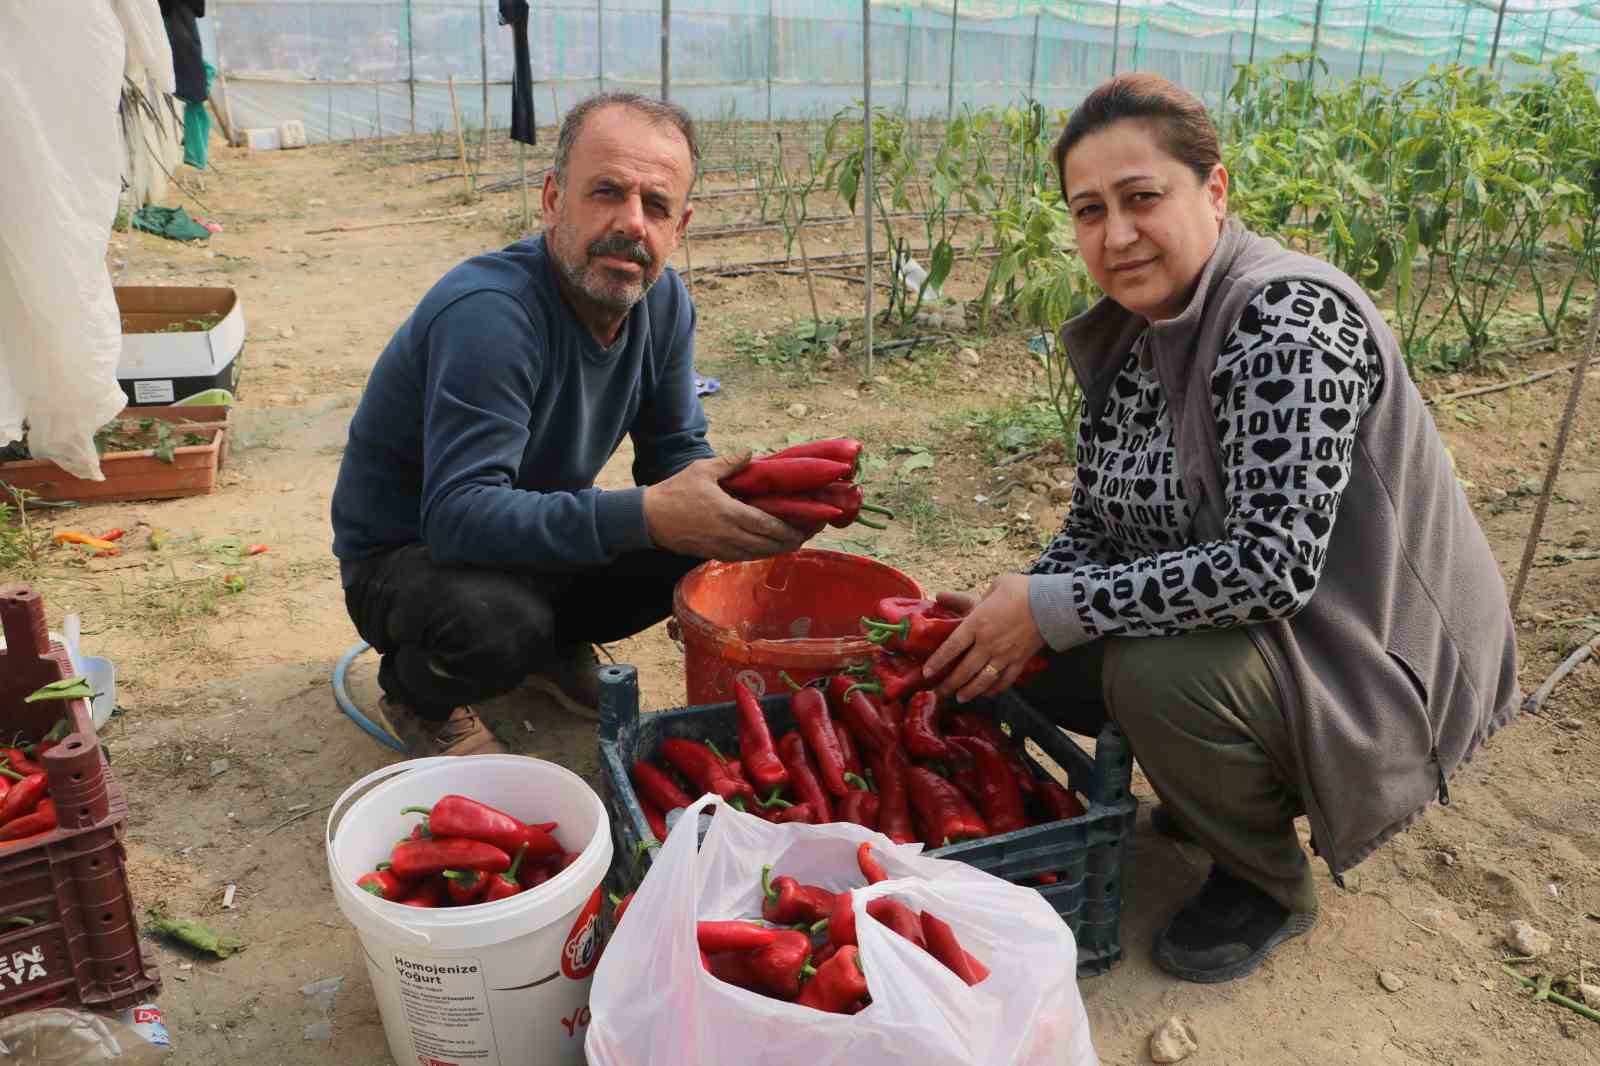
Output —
<point x="1330" y="475"/>
<point x="1145" y="487"/>
<point x="1274" y="391"/>
<point x="1334" y="418"/>
<point x="1271" y="449"/>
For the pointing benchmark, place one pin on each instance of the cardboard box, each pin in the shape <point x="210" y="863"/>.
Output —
<point x="161" y="364"/>
<point x="263" y="138"/>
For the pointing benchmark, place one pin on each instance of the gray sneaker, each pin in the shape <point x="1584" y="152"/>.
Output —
<point x="570" y="677"/>
<point x="463" y="733"/>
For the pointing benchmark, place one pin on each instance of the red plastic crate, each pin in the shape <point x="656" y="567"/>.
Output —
<point x="83" y="946"/>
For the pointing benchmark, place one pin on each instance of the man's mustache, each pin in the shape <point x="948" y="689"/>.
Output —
<point x="622" y="248"/>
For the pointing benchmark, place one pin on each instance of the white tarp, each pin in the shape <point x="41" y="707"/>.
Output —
<point x="61" y="75"/>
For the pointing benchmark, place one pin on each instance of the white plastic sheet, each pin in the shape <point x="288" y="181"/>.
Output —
<point x="653" y="1004"/>
<point x="61" y="71"/>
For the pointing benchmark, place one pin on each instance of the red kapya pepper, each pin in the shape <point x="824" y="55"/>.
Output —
<point x="621" y="906"/>
<point x="779" y="967"/>
<point x="786" y="901"/>
<point x="842" y="921"/>
<point x="734" y="936"/>
<point x="416" y="859"/>
<point x="919" y="730"/>
<point x="847" y="745"/>
<point x="943" y="945"/>
<point x="707" y="772"/>
<point x="899" y="918"/>
<point x="837" y="449"/>
<point x="899" y="676"/>
<point x="384" y="884"/>
<point x="802" y="813"/>
<point x="943" y="812"/>
<point x="918" y="635"/>
<point x="851" y="500"/>
<point x="41" y="820"/>
<point x="970" y="724"/>
<point x="756" y="751"/>
<point x="803" y="779"/>
<point x="784" y="477"/>
<point x="1058" y="803"/>
<point x="655" y="786"/>
<point x="15" y="760"/>
<point x="868" y="725"/>
<point x="860" y="807"/>
<point x="871" y="868"/>
<point x="656" y="820"/>
<point x="810" y="710"/>
<point x="839" y="985"/>
<point x="459" y="816"/>
<point x="504" y="885"/>
<point x="893" y="609"/>
<point x="430" y="893"/>
<point x="24" y="795"/>
<point x="799" y="511"/>
<point x="894" y="799"/>
<point x="465" y="887"/>
<point x="999" y="795"/>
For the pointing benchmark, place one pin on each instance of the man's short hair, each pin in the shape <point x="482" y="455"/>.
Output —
<point x="658" y="112"/>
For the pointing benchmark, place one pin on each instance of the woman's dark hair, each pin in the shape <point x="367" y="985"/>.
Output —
<point x="1178" y="119"/>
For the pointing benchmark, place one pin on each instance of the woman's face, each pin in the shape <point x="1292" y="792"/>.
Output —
<point x="1145" y="224"/>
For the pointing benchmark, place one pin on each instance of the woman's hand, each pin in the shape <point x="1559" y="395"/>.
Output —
<point x="987" y="651"/>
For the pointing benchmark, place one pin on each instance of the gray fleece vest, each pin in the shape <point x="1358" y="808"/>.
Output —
<point x="1405" y="658"/>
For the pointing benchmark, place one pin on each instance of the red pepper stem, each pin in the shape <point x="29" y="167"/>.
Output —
<point x="877" y="510"/>
<point x="723" y="759"/>
<point x="614" y="898"/>
<point x="416" y="810"/>
<point x="776" y="800"/>
<point x="865" y="686"/>
<point x="852" y="779"/>
<point x="12" y="774"/>
<point x="516" y="862"/>
<point x="460" y="875"/>
<point x="766" y="883"/>
<point x="808" y="970"/>
<point x="879" y="631"/>
<point x="783" y="675"/>
<point x="819" y="927"/>
<point x="869" y="523"/>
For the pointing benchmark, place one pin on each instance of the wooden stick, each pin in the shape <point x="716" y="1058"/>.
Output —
<point x="1484" y="390"/>
<point x="1534" y="702"/>
<point x="396" y="222"/>
<point x="227" y="107"/>
<point x="1562" y="433"/>
<point x="461" y="143"/>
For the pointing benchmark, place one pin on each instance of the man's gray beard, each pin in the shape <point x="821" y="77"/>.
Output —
<point x="592" y="281"/>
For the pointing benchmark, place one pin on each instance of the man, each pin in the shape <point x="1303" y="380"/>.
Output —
<point x="474" y="549"/>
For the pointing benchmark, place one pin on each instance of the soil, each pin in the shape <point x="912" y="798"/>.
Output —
<point x="207" y="674"/>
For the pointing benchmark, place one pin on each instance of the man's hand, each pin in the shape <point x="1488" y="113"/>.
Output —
<point x="987" y="651"/>
<point x="689" y="513"/>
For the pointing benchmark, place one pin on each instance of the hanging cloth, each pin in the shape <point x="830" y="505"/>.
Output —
<point x="524" y="124"/>
<point x="183" y="32"/>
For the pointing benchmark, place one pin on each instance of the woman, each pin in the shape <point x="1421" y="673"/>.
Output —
<point x="1267" y="576"/>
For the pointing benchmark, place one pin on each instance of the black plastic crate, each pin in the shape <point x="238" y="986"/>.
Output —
<point x="1087" y="852"/>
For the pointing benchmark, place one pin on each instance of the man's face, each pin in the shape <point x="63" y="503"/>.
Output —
<point x="622" y="208"/>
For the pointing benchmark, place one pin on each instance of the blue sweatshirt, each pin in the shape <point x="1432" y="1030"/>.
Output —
<point x="492" y="410"/>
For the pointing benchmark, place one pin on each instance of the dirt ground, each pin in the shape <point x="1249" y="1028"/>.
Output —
<point x="205" y="674"/>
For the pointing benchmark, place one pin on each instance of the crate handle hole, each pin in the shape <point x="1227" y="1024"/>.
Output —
<point x="94" y="864"/>
<point x="74" y="745"/>
<point x="83" y="812"/>
<point x="106" y="917"/>
<point x="78" y="776"/>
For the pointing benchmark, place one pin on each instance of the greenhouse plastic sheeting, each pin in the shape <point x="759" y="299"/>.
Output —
<point x="355" y="69"/>
<point x="61" y="76"/>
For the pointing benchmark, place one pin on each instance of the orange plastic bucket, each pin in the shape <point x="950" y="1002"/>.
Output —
<point x="798" y="613"/>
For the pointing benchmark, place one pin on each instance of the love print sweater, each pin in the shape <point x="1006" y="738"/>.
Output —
<point x="1295" y="376"/>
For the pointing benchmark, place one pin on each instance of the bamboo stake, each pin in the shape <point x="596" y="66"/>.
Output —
<point x="461" y="144"/>
<point x="1556" y="454"/>
<point x="799" y="235"/>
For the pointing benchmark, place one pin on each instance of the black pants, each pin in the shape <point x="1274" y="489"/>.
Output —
<point x="454" y="635"/>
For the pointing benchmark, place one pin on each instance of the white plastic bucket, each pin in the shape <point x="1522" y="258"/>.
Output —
<point x="498" y="984"/>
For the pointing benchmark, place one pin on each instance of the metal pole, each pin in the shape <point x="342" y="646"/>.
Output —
<point x="483" y="66"/>
<point x="1255" y="24"/>
<point x="411" y="69"/>
<point x="1366" y="31"/>
<point x="1461" y="39"/>
<point x="1226" y="71"/>
<point x="1494" y="49"/>
<point x="905" y="75"/>
<point x="868" y="180"/>
<point x="1546" y="38"/>
<point x="1316" y="40"/>
<point x="1033" y="58"/>
<point x="666" y="49"/>
<point x="1116" y="38"/>
<point x="600" y="42"/>
<point x="770" y="46"/>
<point x="950" y="99"/>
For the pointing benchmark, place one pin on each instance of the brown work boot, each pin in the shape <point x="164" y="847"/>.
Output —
<point x="463" y="733"/>
<point x="568" y="677"/>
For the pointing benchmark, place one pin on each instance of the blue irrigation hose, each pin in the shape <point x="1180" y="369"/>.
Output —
<point x="342" y="697"/>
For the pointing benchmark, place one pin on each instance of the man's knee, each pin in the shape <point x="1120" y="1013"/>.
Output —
<point x="1148" y="682"/>
<point x="488" y="627"/>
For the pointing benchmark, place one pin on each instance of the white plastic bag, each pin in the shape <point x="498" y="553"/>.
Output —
<point x="653" y="1004"/>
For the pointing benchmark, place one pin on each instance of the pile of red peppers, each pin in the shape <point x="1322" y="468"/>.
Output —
<point x="803" y="949"/>
<point x="464" y="853"/>
<point x="875" y="748"/>
<point x="26" y="809"/>
<point x="809" y="486"/>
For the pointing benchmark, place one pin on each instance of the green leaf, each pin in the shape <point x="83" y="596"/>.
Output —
<point x="916" y="461"/>
<point x="196" y="935"/>
<point x="944" y="257"/>
<point x="68" y="688"/>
